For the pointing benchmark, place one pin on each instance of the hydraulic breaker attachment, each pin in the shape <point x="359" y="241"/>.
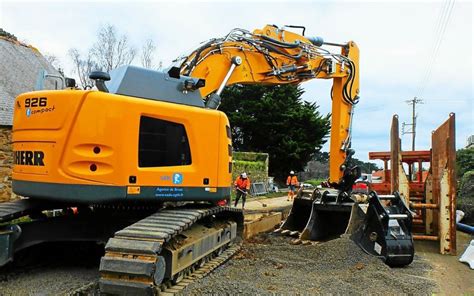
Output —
<point x="386" y="230"/>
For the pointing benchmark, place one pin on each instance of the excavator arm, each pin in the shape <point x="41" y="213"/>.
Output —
<point x="275" y="56"/>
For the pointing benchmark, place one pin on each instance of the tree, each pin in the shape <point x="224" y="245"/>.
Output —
<point x="53" y="60"/>
<point x="274" y="119"/>
<point x="321" y="156"/>
<point x="315" y="169"/>
<point x="146" y="57"/>
<point x="83" y="67"/>
<point x="110" y="50"/>
<point x="366" y="167"/>
<point x="464" y="161"/>
<point x="7" y="35"/>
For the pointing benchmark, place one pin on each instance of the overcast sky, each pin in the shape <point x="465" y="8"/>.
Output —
<point x="396" y="40"/>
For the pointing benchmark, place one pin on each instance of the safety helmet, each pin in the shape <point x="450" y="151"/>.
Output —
<point x="243" y="175"/>
<point x="292" y="173"/>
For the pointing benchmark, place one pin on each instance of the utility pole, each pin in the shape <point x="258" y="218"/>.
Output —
<point x="412" y="130"/>
<point x="411" y="127"/>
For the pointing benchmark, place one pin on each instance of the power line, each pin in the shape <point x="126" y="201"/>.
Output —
<point x="442" y="23"/>
<point x="438" y="46"/>
<point x="439" y="24"/>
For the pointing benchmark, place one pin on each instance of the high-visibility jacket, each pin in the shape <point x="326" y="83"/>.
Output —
<point x="242" y="183"/>
<point x="292" y="180"/>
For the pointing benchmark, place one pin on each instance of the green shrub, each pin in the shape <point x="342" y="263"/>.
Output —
<point x="314" y="182"/>
<point x="254" y="164"/>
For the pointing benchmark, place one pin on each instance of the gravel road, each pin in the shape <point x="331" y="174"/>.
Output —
<point x="266" y="265"/>
<point x="270" y="264"/>
<point x="51" y="270"/>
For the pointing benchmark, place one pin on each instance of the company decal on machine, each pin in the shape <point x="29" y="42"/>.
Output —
<point x="169" y="192"/>
<point x="35" y="158"/>
<point x="165" y="178"/>
<point x="37" y="106"/>
<point x="177" y="178"/>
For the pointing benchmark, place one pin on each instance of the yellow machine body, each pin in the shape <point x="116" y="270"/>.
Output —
<point x="85" y="146"/>
<point x="92" y="146"/>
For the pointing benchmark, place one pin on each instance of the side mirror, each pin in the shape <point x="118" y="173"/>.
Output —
<point x="100" y="78"/>
<point x="70" y="82"/>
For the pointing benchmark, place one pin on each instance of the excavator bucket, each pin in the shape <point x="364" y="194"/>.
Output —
<point x="316" y="218"/>
<point x="327" y="221"/>
<point x="380" y="230"/>
<point x="299" y="215"/>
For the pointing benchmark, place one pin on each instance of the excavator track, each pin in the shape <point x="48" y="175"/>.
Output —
<point x="213" y="263"/>
<point x="163" y="249"/>
<point x="18" y="208"/>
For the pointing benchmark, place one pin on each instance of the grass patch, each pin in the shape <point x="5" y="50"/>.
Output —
<point x="315" y="182"/>
<point x="268" y="195"/>
<point x="24" y="219"/>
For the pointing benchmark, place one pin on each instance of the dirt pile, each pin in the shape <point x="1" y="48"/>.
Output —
<point x="270" y="264"/>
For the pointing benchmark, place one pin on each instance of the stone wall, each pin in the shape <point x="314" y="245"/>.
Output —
<point x="6" y="163"/>
<point x="19" y="67"/>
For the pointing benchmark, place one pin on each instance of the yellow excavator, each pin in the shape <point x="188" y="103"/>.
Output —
<point x="145" y="161"/>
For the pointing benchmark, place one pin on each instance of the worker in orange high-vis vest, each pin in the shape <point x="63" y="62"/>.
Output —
<point x="292" y="183"/>
<point x="242" y="185"/>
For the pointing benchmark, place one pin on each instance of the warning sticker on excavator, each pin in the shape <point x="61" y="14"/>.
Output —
<point x="377" y="248"/>
<point x="133" y="190"/>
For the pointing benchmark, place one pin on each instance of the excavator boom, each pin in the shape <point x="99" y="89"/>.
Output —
<point x="276" y="56"/>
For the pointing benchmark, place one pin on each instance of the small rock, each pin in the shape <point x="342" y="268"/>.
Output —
<point x="296" y="241"/>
